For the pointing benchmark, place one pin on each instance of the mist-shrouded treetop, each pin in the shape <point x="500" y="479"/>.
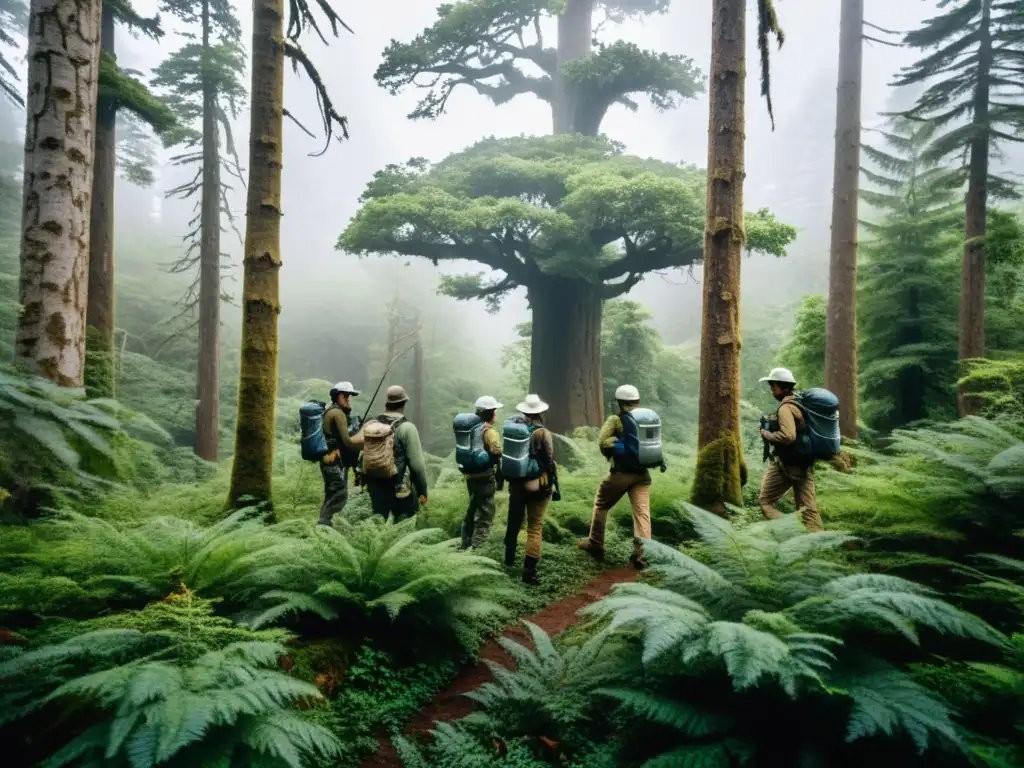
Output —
<point x="498" y="48"/>
<point x="569" y="217"/>
<point x="531" y="208"/>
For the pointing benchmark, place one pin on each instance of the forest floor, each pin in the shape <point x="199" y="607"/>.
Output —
<point x="452" y="704"/>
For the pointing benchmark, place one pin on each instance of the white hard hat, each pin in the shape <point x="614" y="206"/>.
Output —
<point x="627" y="393"/>
<point x="532" y="404"/>
<point x="345" y="388"/>
<point x="781" y="375"/>
<point x="486" y="403"/>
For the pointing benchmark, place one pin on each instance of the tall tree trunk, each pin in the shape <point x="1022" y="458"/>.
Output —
<point x="99" y="316"/>
<point x="208" y="378"/>
<point x="63" y="72"/>
<point x="253" y="465"/>
<point x="972" y="285"/>
<point x="566" y="342"/>
<point x="910" y="387"/>
<point x="575" y="35"/>
<point x="841" y="330"/>
<point x="581" y="402"/>
<point x="721" y="472"/>
<point x="419" y="384"/>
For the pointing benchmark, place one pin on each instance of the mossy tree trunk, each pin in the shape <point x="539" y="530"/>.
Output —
<point x="99" y="317"/>
<point x="565" y="350"/>
<point x="720" y="470"/>
<point x="841" y="330"/>
<point x="972" y="285"/>
<point x="208" y="379"/>
<point x="418" y="406"/>
<point x="257" y="387"/>
<point x="63" y="71"/>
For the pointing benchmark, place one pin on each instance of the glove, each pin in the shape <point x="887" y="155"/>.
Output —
<point x="332" y="457"/>
<point x="423" y="501"/>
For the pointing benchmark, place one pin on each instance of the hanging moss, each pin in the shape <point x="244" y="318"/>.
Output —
<point x="720" y="476"/>
<point x="132" y="95"/>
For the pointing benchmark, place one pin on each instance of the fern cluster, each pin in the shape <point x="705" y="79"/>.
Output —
<point x="764" y="649"/>
<point x="170" y="685"/>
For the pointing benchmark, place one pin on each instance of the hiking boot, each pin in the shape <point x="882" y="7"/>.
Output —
<point x="530" y="571"/>
<point x="592" y="549"/>
<point x="637" y="558"/>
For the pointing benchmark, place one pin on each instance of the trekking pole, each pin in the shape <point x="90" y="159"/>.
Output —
<point x="391" y="362"/>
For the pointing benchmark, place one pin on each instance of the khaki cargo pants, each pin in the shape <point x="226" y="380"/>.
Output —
<point x="777" y="480"/>
<point x="616" y="485"/>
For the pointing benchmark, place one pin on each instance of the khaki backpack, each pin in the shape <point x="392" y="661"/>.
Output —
<point x="379" y="454"/>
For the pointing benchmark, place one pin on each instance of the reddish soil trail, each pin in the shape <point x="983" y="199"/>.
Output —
<point x="451" y="704"/>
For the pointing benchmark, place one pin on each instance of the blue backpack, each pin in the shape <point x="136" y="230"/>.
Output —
<point x="470" y="454"/>
<point x="641" y="433"/>
<point x="311" y="422"/>
<point x="820" y="438"/>
<point x="517" y="461"/>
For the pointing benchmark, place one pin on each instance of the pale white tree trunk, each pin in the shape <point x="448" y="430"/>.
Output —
<point x="63" y="71"/>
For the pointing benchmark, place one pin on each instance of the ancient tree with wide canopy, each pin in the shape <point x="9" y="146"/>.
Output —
<point x="569" y="218"/>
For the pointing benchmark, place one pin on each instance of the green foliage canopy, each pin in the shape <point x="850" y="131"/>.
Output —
<point x="568" y="206"/>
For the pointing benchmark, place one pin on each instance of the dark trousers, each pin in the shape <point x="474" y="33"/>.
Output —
<point x="384" y="501"/>
<point x="335" y="491"/>
<point x="476" y="525"/>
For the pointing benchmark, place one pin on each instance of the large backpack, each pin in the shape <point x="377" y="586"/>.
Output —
<point x="380" y="455"/>
<point x="517" y="461"/>
<point x="471" y="455"/>
<point x="641" y="434"/>
<point x="820" y="438"/>
<point x="311" y="422"/>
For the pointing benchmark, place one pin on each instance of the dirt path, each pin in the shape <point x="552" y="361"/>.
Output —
<point x="451" y="704"/>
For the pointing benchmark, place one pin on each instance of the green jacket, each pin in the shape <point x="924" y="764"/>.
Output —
<point x="410" y="453"/>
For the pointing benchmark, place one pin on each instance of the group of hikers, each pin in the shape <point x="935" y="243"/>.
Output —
<point x="387" y="457"/>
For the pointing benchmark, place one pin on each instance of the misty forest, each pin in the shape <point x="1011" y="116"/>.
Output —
<point x="604" y="383"/>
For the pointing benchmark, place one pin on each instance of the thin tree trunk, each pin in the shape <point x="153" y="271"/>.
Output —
<point x="910" y="391"/>
<point x="208" y="378"/>
<point x="63" y="72"/>
<point x="419" y="384"/>
<point x="99" y="316"/>
<point x="972" y="286"/>
<point x="253" y="466"/>
<point x="841" y="331"/>
<point x="565" y="343"/>
<point x="720" y="470"/>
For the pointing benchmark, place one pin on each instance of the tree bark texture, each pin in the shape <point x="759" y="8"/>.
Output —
<point x="565" y="350"/>
<point x="99" y="315"/>
<point x="972" y="284"/>
<point x="63" y="73"/>
<point x="208" y="378"/>
<point x="253" y="464"/>
<point x="720" y="469"/>
<point x="418" y="406"/>
<point x="841" y="328"/>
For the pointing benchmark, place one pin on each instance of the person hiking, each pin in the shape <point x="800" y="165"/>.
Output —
<point x="478" y="453"/>
<point x="343" y="450"/>
<point x="528" y="464"/>
<point x="628" y="475"/>
<point x="786" y="469"/>
<point x="393" y="468"/>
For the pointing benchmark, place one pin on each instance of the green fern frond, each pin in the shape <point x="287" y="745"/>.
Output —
<point x="689" y="720"/>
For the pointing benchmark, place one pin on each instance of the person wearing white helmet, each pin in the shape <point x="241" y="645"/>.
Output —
<point x="482" y="485"/>
<point x="621" y="480"/>
<point x="785" y="472"/>
<point x="528" y="498"/>
<point x="342" y="450"/>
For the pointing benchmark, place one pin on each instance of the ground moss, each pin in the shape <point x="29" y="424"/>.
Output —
<point x="720" y="473"/>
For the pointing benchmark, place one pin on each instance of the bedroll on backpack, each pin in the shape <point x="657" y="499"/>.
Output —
<point x="313" y="442"/>
<point x="517" y="462"/>
<point x="641" y="434"/>
<point x="379" y="450"/>
<point x="470" y="454"/>
<point x="820" y="439"/>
